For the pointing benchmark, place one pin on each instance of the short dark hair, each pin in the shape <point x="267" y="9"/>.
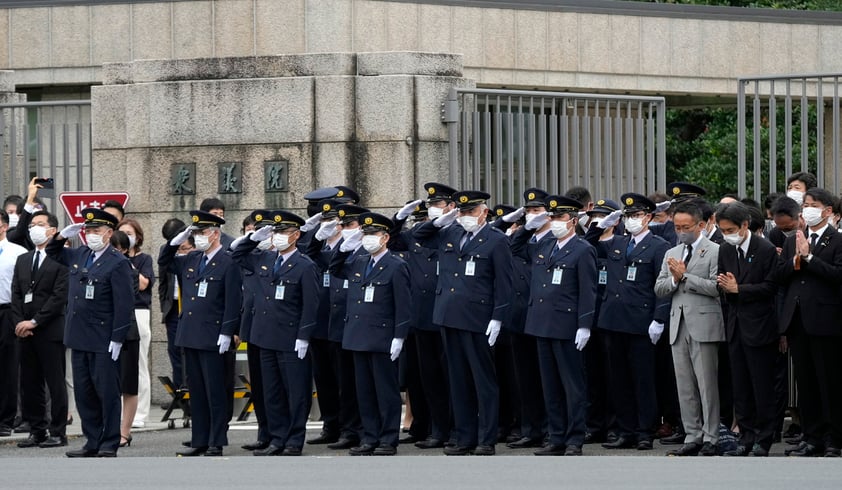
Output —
<point x="735" y="212"/>
<point x="786" y="206"/>
<point x="809" y="179"/>
<point x="111" y="203"/>
<point x="171" y="228"/>
<point x="138" y="231"/>
<point x="13" y="199"/>
<point x="771" y="198"/>
<point x="821" y="195"/>
<point x="758" y="221"/>
<point x="704" y="207"/>
<point x="732" y="195"/>
<point x="579" y="193"/>
<point x="750" y="202"/>
<point x="52" y="220"/>
<point x="248" y="220"/>
<point x="120" y="240"/>
<point x="691" y="207"/>
<point x="4" y="216"/>
<point x="211" y="203"/>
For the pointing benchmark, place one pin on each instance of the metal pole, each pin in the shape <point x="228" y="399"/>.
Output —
<point x="741" y="137"/>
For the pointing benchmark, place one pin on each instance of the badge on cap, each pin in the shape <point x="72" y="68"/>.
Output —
<point x="258" y="217"/>
<point x="326" y="207"/>
<point x="431" y="190"/>
<point x="340" y="193"/>
<point x="278" y="218"/>
<point x="195" y="218"/>
<point x="91" y="216"/>
<point x="600" y="202"/>
<point x="500" y="211"/>
<point x="531" y="196"/>
<point x="553" y="203"/>
<point x="629" y="201"/>
<point x="676" y="191"/>
<point x="368" y="221"/>
<point x="341" y="213"/>
<point x="463" y="199"/>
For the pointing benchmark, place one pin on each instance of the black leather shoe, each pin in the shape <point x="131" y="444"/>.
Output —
<point x="677" y="438"/>
<point x="291" y="451"/>
<point x="5" y="431"/>
<point x="524" y="442"/>
<point x="255" y="446"/>
<point x="23" y="428"/>
<point x="323" y="438"/>
<point x="620" y="443"/>
<point x="429" y="443"/>
<point x="53" y="441"/>
<point x="344" y="443"/>
<point x="106" y="454"/>
<point x="410" y="439"/>
<point x="385" y="451"/>
<point x="708" y="449"/>
<point x="186" y="443"/>
<point x="594" y="437"/>
<point x="795" y="440"/>
<point x="32" y="441"/>
<point x="457" y="450"/>
<point x="689" y="449"/>
<point x="193" y="451"/>
<point x="739" y="451"/>
<point x="270" y="450"/>
<point x="550" y="450"/>
<point x="804" y="450"/>
<point x="644" y="445"/>
<point x="484" y="451"/>
<point x="832" y="452"/>
<point x="759" y="451"/>
<point x="81" y="453"/>
<point x="572" y="450"/>
<point x="214" y="451"/>
<point x="362" y="450"/>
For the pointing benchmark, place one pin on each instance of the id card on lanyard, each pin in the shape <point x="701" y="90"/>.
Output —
<point x="470" y="267"/>
<point x="203" y="289"/>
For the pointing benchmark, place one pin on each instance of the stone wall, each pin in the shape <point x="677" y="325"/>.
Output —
<point x="367" y="120"/>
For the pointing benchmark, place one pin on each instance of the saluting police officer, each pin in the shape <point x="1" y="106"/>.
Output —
<point x="473" y="301"/>
<point x="377" y="324"/>
<point x="211" y="287"/>
<point x="100" y="309"/>
<point x="561" y="313"/>
<point x="631" y="317"/>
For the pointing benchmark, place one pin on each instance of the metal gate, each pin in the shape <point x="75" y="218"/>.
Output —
<point x="505" y="141"/>
<point x="811" y="100"/>
<point x="45" y="139"/>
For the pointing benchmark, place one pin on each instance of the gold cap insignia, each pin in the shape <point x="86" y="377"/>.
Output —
<point x="258" y="217"/>
<point x="340" y="193"/>
<point x="629" y="201"/>
<point x="431" y="190"/>
<point x="278" y="218"/>
<point x="91" y="216"/>
<point x="531" y="196"/>
<point x="463" y="199"/>
<point x="676" y="190"/>
<point x="600" y="202"/>
<point x="326" y="207"/>
<point x="369" y="221"/>
<point x="499" y="212"/>
<point x="195" y="218"/>
<point x="417" y="209"/>
<point x="553" y="203"/>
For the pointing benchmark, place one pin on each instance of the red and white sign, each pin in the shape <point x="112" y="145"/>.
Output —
<point x="75" y="202"/>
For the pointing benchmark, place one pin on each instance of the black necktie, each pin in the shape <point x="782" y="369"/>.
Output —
<point x="689" y="255"/>
<point x="468" y="238"/>
<point x="276" y="270"/>
<point x="35" y="263"/>
<point x="630" y="247"/>
<point x="90" y="261"/>
<point x="814" y="237"/>
<point x="534" y="239"/>
<point x="742" y="256"/>
<point x="203" y="263"/>
<point x="369" y="267"/>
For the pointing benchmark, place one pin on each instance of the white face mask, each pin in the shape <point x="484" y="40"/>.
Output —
<point x="734" y="239"/>
<point x="560" y="229"/>
<point x="132" y="242"/>
<point x="796" y="196"/>
<point x="435" y="212"/>
<point x="469" y="223"/>
<point x="812" y="216"/>
<point x="346" y="233"/>
<point x="13" y="220"/>
<point x="280" y="241"/>
<point x="584" y="221"/>
<point x="595" y="221"/>
<point x="38" y="234"/>
<point x="633" y="225"/>
<point x="371" y="243"/>
<point x="95" y="242"/>
<point x="202" y="242"/>
<point x="265" y="244"/>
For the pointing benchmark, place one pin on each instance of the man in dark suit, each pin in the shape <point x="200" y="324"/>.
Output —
<point x="170" y="299"/>
<point x="473" y="300"/>
<point x="100" y="309"/>
<point x="747" y="265"/>
<point x="285" y="307"/>
<point x="39" y="297"/>
<point x="810" y="271"/>
<point x="377" y="325"/>
<point x="211" y="287"/>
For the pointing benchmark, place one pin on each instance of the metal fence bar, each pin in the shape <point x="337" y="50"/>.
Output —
<point x="788" y="129"/>
<point x="756" y="135"/>
<point x="650" y="151"/>
<point x="564" y="145"/>
<point x="835" y="140"/>
<point x="586" y="147"/>
<point x="510" y="153"/>
<point x="597" y="151"/>
<point x="639" y="145"/>
<point x="498" y="149"/>
<point x="773" y="143"/>
<point x="820" y="134"/>
<point x="486" y="140"/>
<point x="552" y="185"/>
<point x="628" y="139"/>
<point x="574" y="140"/>
<point x="542" y="148"/>
<point x="805" y="125"/>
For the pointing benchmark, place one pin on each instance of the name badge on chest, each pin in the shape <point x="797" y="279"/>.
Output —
<point x="369" y="294"/>
<point x="557" y="276"/>
<point x="279" y="291"/>
<point x="345" y="284"/>
<point x="27" y="298"/>
<point x="89" y="291"/>
<point x="203" y="289"/>
<point x="470" y="267"/>
<point x="631" y="274"/>
<point x="326" y="280"/>
<point x="603" y="277"/>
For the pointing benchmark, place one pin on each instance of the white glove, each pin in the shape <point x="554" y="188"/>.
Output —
<point x="312" y="222"/>
<point x="493" y="331"/>
<point x="327" y="230"/>
<point x="224" y="342"/>
<point x="582" y="337"/>
<point x="301" y="348"/>
<point x="395" y="349"/>
<point x="71" y="230"/>
<point x="514" y="215"/>
<point x="352" y="242"/>
<point x="261" y="234"/>
<point x="655" y="331"/>
<point x="408" y="209"/>
<point x="237" y="241"/>
<point x="536" y="221"/>
<point x="662" y="206"/>
<point x="610" y="220"/>
<point x="114" y="349"/>
<point x="181" y="237"/>
<point x="445" y="219"/>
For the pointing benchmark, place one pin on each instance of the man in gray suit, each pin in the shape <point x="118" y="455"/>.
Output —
<point x="688" y="275"/>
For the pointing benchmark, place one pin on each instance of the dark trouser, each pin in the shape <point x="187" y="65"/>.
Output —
<point x="509" y="416"/>
<point x="174" y="352"/>
<point x="350" y="423"/>
<point x="8" y="368"/>
<point x="530" y="395"/>
<point x="726" y="389"/>
<point x="781" y="389"/>
<point x="208" y="404"/>
<point x="563" y="379"/>
<point x="433" y="372"/>
<point x="379" y="397"/>
<point x="665" y="387"/>
<point x="632" y="375"/>
<point x="229" y="363"/>
<point x="754" y="390"/>
<point x="600" y="416"/>
<point x="96" y="384"/>
<point x="42" y="363"/>
<point x="411" y="377"/>
<point x="325" y="355"/>
<point x="257" y="398"/>
<point x="474" y="393"/>
<point x="287" y="387"/>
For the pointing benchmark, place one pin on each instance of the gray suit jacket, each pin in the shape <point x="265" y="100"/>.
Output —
<point x="696" y="297"/>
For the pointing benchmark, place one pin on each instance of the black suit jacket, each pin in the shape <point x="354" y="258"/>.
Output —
<point x="49" y="296"/>
<point x="751" y="312"/>
<point x="20" y="233"/>
<point x="816" y="287"/>
<point x="166" y="290"/>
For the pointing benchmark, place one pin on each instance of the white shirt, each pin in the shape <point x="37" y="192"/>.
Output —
<point x="639" y="238"/>
<point x="744" y="246"/>
<point x="9" y="253"/>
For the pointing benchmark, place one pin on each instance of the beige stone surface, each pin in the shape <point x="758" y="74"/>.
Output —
<point x="197" y="40"/>
<point x="435" y="28"/>
<point x="747" y="58"/>
<point x="384" y="173"/>
<point x="108" y="110"/>
<point x="369" y="26"/>
<point x="830" y="45"/>
<point x="334" y="99"/>
<point x="595" y="52"/>
<point x="717" y="53"/>
<point x="71" y="36"/>
<point x="685" y="47"/>
<point x="655" y="46"/>
<point x="409" y="63"/>
<point x="7" y="81"/>
<point x="4" y="34"/>
<point x="280" y="26"/>
<point x="111" y="25"/>
<point x="532" y="39"/>
<point x="775" y="52"/>
<point x="530" y="79"/>
<point x="384" y="108"/>
<point x="804" y="48"/>
<point x="151" y="31"/>
<point x="29" y="48"/>
<point x="431" y="165"/>
<point x="332" y="163"/>
<point x="499" y="38"/>
<point x="563" y="43"/>
<point x="430" y="93"/>
<point x="625" y="44"/>
<point x="402" y="27"/>
<point x="328" y="25"/>
<point x="234" y="28"/>
<point x="468" y="35"/>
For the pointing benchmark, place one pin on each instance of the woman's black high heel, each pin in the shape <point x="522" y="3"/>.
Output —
<point x="126" y="441"/>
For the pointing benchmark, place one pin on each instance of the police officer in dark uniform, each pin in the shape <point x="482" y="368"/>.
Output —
<point x="473" y="300"/>
<point x="377" y="323"/>
<point x="211" y="286"/>
<point x="100" y="309"/>
<point x="561" y="312"/>
<point x="285" y="310"/>
<point x="631" y="317"/>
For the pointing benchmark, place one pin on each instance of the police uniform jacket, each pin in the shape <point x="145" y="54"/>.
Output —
<point x="321" y="255"/>
<point x="423" y="264"/>
<point x="91" y="324"/>
<point x="469" y="302"/>
<point x="203" y="320"/>
<point x="251" y="286"/>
